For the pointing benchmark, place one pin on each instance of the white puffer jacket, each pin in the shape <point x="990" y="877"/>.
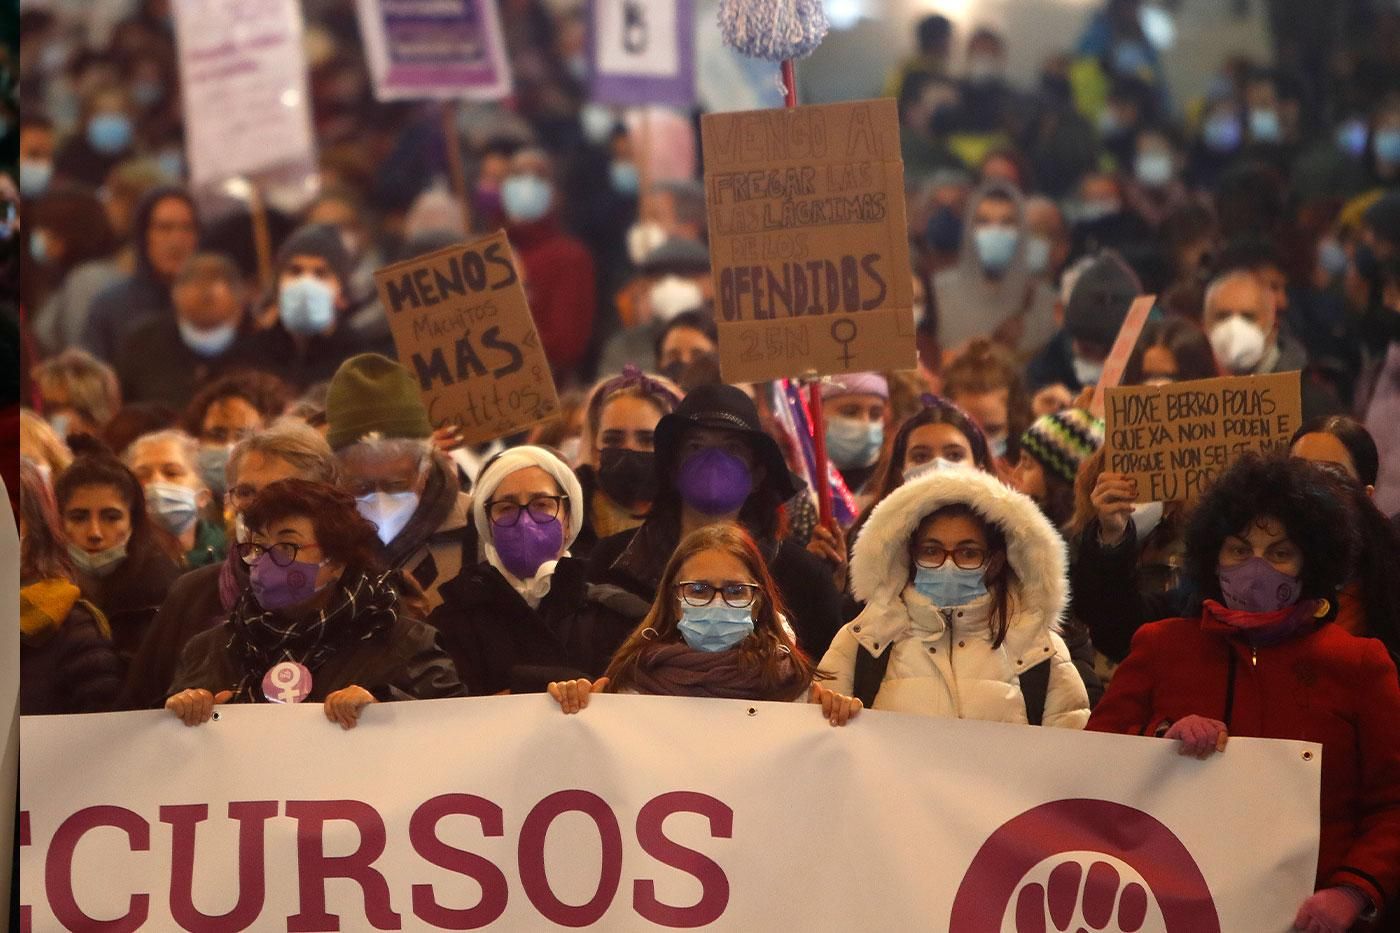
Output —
<point x="943" y="662"/>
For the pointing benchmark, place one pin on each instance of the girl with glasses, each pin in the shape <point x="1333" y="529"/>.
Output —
<point x="963" y="581"/>
<point x="524" y="614"/>
<point x="317" y="622"/>
<point x="716" y="629"/>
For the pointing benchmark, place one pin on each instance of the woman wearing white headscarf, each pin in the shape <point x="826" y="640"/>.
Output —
<point x="524" y="615"/>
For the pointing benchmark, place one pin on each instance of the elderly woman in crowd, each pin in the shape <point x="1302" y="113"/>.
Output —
<point x="317" y="622"/>
<point x="167" y="464"/>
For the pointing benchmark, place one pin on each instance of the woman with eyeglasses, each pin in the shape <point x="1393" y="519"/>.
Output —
<point x="716" y="629"/>
<point x="963" y="581"/>
<point x="316" y="624"/>
<point x="525" y="615"/>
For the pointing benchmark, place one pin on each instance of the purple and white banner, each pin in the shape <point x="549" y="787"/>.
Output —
<point x="642" y="52"/>
<point x="434" y="49"/>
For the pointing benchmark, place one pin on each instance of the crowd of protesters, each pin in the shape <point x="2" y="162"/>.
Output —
<point x="226" y="475"/>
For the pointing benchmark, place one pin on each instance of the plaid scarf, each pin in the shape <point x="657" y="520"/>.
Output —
<point x="363" y="608"/>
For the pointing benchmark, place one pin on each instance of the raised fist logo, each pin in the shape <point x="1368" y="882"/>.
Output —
<point x="1083" y="866"/>
<point x="1108" y="897"/>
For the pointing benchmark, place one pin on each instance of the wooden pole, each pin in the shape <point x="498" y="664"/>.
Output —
<point x="262" y="239"/>
<point x="457" y="175"/>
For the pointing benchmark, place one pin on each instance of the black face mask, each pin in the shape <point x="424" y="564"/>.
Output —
<point x="627" y="476"/>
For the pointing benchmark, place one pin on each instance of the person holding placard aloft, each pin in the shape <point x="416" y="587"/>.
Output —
<point x="717" y="628"/>
<point x="1268" y="546"/>
<point x="964" y="584"/>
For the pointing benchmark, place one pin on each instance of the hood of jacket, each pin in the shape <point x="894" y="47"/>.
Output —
<point x="968" y="260"/>
<point x="1035" y="551"/>
<point x="141" y="225"/>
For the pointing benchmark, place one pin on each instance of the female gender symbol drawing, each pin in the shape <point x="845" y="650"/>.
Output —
<point x="843" y="332"/>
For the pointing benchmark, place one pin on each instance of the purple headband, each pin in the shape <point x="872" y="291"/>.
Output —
<point x="633" y="378"/>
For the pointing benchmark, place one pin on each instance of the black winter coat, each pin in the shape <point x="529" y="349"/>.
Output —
<point x="71" y="668"/>
<point x="403" y="662"/>
<point x="499" y="643"/>
<point x="193" y="606"/>
<point x="635" y="560"/>
<point x="131" y="595"/>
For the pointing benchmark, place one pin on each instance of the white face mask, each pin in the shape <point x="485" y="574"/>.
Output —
<point x="569" y="448"/>
<point x="389" y="511"/>
<point x="642" y="238"/>
<point x="914" y="471"/>
<point x="1239" y="344"/>
<point x="673" y="295"/>
<point x="1146" y="517"/>
<point x="1088" y="373"/>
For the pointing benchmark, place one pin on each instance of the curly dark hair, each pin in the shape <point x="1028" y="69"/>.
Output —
<point x="1311" y="505"/>
<point x="342" y="532"/>
<point x="264" y="391"/>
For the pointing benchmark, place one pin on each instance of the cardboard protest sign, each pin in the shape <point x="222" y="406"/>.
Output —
<point x="1123" y="344"/>
<point x="1174" y="439"/>
<point x="434" y="49"/>
<point x="243" y="88"/>
<point x="642" y="52"/>
<point x="463" y="328"/>
<point x="808" y="244"/>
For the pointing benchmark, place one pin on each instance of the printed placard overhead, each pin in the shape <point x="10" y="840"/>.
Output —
<point x="243" y="88"/>
<point x="642" y="52"/>
<point x="1174" y="439"/>
<point x="434" y="49"/>
<point x="463" y="328"/>
<point x="808" y="241"/>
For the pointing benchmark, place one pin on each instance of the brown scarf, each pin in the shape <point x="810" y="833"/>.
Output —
<point x="676" y="669"/>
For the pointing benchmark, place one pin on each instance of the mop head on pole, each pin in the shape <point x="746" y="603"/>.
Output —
<point x="776" y="30"/>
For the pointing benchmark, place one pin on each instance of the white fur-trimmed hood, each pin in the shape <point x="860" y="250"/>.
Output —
<point x="1035" y="550"/>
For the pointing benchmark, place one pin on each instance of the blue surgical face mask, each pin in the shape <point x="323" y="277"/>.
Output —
<point x="716" y="627"/>
<point x="34" y="176"/>
<point x="109" y="133"/>
<point x="1037" y="254"/>
<point x="208" y="343"/>
<point x="853" y="442"/>
<point x="306" y="306"/>
<point x="175" y="508"/>
<point x="526" y="197"/>
<point x="1351" y="137"/>
<point x="1154" y="169"/>
<point x="1264" y="126"/>
<point x="213" y="464"/>
<point x="950" y="585"/>
<point x="1221" y="132"/>
<point x="1131" y="58"/>
<point x="625" y="177"/>
<point x="1332" y="256"/>
<point x="1387" y="146"/>
<point x="100" y="563"/>
<point x="997" y="445"/>
<point x="996" y="245"/>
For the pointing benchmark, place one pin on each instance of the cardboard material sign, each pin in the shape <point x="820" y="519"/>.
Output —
<point x="808" y="242"/>
<point x="642" y="52"/>
<point x="462" y="326"/>
<point x="434" y="49"/>
<point x="1123" y="344"/>
<point x="243" y="88"/>
<point x="1175" y="439"/>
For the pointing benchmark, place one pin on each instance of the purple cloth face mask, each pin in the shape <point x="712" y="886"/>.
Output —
<point x="527" y="544"/>
<point x="279" y="587"/>
<point x="1256" y="586"/>
<point x="714" y="482"/>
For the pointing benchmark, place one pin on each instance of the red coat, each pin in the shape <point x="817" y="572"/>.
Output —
<point x="563" y="292"/>
<point x="1323" y="686"/>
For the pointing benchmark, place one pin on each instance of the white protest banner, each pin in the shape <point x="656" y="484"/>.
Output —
<point x="243" y="84"/>
<point x="642" y="52"/>
<point x="643" y="813"/>
<point x="448" y="49"/>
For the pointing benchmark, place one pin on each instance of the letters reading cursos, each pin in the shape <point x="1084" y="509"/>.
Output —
<point x="374" y="907"/>
<point x="473" y="271"/>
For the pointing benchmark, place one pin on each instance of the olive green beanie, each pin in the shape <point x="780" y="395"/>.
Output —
<point x="371" y="394"/>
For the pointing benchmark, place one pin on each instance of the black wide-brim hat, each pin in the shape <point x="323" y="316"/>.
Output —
<point x="726" y="408"/>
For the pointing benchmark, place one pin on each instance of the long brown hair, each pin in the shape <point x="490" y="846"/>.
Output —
<point x="764" y="651"/>
<point x="43" y="551"/>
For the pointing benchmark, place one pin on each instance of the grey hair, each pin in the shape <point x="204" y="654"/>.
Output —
<point x="299" y="445"/>
<point x="188" y="447"/>
<point x="1264" y="300"/>
<point x="375" y="446"/>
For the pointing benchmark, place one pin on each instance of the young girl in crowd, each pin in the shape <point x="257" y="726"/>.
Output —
<point x="525" y="615"/>
<point x="856" y="408"/>
<point x="1051" y="451"/>
<point x="616" y="468"/>
<point x="121" y="562"/>
<point x="1170" y="350"/>
<point x="317" y="622"/>
<point x="963" y="581"/>
<point x="1269" y="545"/>
<point x="716" y="629"/>
<point x="985" y="382"/>
<point x="67" y="663"/>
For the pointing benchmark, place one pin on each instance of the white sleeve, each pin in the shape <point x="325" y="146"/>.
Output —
<point x="1066" y="700"/>
<point x="840" y="661"/>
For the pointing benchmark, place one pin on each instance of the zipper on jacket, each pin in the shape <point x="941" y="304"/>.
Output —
<point x="952" y="671"/>
<point x="1253" y="656"/>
